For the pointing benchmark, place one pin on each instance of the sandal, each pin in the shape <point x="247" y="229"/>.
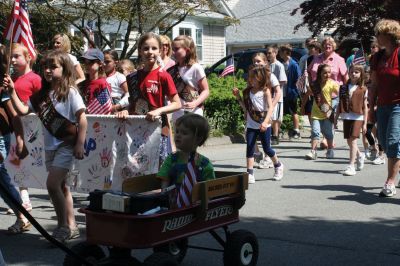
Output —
<point x="63" y="234"/>
<point x="19" y="227"/>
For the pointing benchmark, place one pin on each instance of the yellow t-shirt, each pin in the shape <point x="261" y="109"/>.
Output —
<point x="331" y="87"/>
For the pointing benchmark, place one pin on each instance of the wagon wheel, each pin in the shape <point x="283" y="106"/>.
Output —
<point x="160" y="259"/>
<point x="241" y="249"/>
<point x="176" y="248"/>
<point x="92" y="253"/>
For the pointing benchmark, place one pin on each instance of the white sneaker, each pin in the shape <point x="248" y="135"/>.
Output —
<point x="312" y="155"/>
<point x="379" y="160"/>
<point x="349" y="171"/>
<point x="266" y="163"/>
<point x="278" y="174"/>
<point x="330" y="154"/>
<point x="252" y="179"/>
<point x="388" y="190"/>
<point x="360" y="162"/>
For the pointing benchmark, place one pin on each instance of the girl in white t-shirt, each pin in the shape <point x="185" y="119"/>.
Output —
<point x="61" y="41"/>
<point x="257" y="99"/>
<point x="193" y="91"/>
<point x="116" y="79"/>
<point x="353" y="110"/>
<point x="60" y="107"/>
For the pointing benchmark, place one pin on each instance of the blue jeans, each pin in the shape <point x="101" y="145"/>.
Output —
<point x="265" y="137"/>
<point x="388" y="119"/>
<point x="5" y="179"/>
<point x="2" y="262"/>
<point x="325" y="126"/>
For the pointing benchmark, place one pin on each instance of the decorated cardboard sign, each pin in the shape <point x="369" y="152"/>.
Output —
<point x="114" y="150"/>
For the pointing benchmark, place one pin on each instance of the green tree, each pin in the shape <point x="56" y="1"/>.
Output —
<point x="347" y="18"/>
<point x="129" y="18"/>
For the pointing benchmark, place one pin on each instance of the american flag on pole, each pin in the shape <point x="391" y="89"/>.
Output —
<point x="359" y="58"/>
<point x="18" y="28"/>
<point x="101" y="103"/>
<point x="230" y="67"/>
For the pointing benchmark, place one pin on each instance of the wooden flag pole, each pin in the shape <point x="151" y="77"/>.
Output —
<point x="234" y="75"/>
<point x="10" y="41"/>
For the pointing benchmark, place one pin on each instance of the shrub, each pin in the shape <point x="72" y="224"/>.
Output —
<point x="221" y="108"/>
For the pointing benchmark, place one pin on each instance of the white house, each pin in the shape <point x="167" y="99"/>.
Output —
<point x="264" y="22"/>
<point x="207" y="29"/>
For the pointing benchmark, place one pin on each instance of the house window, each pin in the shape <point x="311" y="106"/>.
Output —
<point x="185" y="31"/>
<point x="199" y="43"/>
<point x="117" y="41"/>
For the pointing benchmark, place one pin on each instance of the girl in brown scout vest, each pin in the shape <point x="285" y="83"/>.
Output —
<point x="62" y="112"/>
<point x="353" y="110"/>
<point x="257" y="100"/>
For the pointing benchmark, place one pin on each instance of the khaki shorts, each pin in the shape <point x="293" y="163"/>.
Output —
<point x="62" y="157"/>
<point x="277" y="115"/>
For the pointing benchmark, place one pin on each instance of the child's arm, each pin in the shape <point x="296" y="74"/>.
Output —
<point x="267" y="120"/>
<point x="204" y="92"/>
<point x="172" y="107"/>
<point x="124" y="87"/>
<point x="236" y="93"/>
<point x="277" y="96"/>
<point x="18" y="105"/>
<point x="364" y="128"/>
<point x="82" y="127"/>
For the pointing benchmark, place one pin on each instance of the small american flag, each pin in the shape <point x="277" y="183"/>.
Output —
<point x="185" y="191"/>
<point x="19" y="28"/>
<point x="230" y="68"/>
<point x="359" y="58"/>
<point x="101" y="103"/>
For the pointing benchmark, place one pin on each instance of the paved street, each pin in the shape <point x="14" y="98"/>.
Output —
<point x="314" y="216"/>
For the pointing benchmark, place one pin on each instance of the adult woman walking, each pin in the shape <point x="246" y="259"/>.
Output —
<point x="336" y="62"/>
<point x="166" y="52"/>
<point x="385" y="94"/>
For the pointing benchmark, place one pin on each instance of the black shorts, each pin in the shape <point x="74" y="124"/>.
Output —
<point x="290" y="106"/>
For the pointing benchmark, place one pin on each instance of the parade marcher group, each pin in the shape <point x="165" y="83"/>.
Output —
<point x="168" y="79"/>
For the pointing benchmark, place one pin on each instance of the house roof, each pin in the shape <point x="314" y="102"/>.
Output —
<point x="265" y="21"/>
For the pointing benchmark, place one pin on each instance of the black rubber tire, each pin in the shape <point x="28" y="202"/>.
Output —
<point x="177" y="249"/>
<point x="160" y="259"/>
<point x="92" y="253"/>
<point x="241" y="249"/>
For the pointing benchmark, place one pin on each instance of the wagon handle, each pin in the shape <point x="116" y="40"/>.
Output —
<point x="201" y="213"/>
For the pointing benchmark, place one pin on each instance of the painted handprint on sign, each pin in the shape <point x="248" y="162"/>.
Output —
<point x="13" y="158"/>
<point x="107" y="182"/>
<point x="105" y="157"/>
<point x="127" y="172"/>
<point x="36" y="154"/>
<point x="95" y="172"/>
<point x="98" y="132"/>
<point x="120" y="127"/>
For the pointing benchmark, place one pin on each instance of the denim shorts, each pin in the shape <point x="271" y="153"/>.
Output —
<point x="321" y="126"/>
<point x="388" y="119"/>
<point x="62" y="157"/>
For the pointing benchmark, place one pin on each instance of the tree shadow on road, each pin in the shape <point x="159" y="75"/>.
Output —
<point x="360" y="194"/>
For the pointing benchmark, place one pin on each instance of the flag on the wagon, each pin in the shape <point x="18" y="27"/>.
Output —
<point x="359" y="58"/>
<point x="230" y="67"/>
<point x="184" y="196"/>
<point x="19" y="28"/>
<point x="101" y="104"/>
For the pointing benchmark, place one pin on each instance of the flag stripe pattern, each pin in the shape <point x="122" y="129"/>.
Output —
<point x="185" y="191"/>
<point x="19" y="27"/>
<point x="101" y="103"/>
<point x="359" y="58"/>
<point x="230" y="68"/>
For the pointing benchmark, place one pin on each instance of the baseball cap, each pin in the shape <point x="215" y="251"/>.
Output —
<point x="93" y="54"/>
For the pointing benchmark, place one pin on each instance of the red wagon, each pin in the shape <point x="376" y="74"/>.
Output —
<point x="216" y="204"/>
